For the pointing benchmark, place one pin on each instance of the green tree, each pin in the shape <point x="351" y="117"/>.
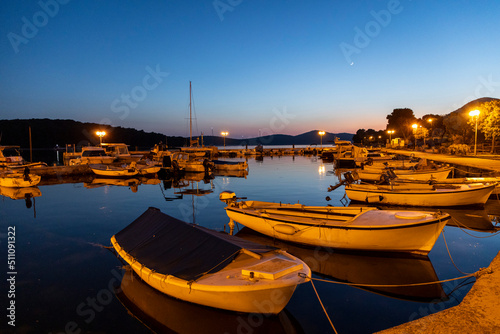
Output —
<point x="401" y="120"/>
<point x="489" y="121"/>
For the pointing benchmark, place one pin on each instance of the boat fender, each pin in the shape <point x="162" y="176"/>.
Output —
<point x="374" y="199"/>
<point x="410" y="215"/>
<point x="285" y="229"/>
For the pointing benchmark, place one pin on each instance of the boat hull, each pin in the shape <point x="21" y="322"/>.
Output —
<point x="226" y="289"/>
<point x="417" y="236"/>
<point x="469" y="194"/>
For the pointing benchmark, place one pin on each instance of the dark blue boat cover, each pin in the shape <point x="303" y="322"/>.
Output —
<point x="172" y="247"/>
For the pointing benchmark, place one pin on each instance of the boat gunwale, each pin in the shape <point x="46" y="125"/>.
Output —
<point x="445" y="217"/>
<point x="197" y="286"/>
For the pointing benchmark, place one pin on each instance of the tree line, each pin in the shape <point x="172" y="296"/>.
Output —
<point x="457" y="127"/>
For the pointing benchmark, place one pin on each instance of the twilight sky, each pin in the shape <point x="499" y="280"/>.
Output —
<point x="257" y="67"/>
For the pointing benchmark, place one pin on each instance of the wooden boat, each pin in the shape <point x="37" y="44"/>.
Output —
<point x="18" y="180"/>
<point x="93" y="155"/>
<point x="189" y="163"/>
<point x="414" y="194"/>
<point x="360" y="228"/>
<point x="10" y="157"/>
<point x="145" y="168"/>
<point x="377" y="174"/>
<point x="206" y="267"/>
<point x="113" y="171"/>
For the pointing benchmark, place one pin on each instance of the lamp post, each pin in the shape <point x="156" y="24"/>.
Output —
<point x="100" y="134"/>
<point x="390" y="132"/>
<point x="321" y="134"/>
<point x="224" y="134"/>
<point x="415" y="127"/>
<point x="475" y="113"/>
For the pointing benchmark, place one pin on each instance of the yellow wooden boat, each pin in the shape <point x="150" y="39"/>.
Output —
<point x="353" y="228"/>
<point x="206" y="267"/>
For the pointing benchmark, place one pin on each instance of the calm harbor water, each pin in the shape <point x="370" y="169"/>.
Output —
<point x="66" y="280"/>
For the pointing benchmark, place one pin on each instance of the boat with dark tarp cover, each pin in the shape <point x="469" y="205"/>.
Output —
<point x="207" y="267"/>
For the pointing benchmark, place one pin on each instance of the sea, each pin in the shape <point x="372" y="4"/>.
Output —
<point x="62" y="276"/>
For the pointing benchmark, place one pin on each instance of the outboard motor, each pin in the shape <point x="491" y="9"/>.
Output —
<point x="227" y="197"/>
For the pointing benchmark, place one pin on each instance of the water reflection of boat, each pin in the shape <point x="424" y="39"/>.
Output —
<point x="20" y="193"/>
<point x="133" y="183"/>
<point x="363" y="228"/>
<point x="231" y="173"/>
<point x="164" y="314"/>
<point x="206" y="267"/>
<point x="365" y="268"/>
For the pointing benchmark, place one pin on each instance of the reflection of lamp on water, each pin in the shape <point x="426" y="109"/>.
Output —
<point x="224" y="134"/>
<point x="321" y="134"/>
<point x="100" y="134"/>
<point x="321" y="170"/>
<point x="475" y="113"/>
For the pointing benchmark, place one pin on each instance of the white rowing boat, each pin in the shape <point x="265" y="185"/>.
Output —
<point x="354" y="228"/>
<point x="206" y="267"/>
<point x="113" y="171"/>
<point x="377" y="174"/>
<point x="18" y="180"/>
<point x="418" y="194"/>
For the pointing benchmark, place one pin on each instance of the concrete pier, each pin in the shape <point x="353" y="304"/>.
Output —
<point x="479" y="311"/>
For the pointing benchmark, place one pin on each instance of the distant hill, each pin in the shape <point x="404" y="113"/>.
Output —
<point x="473" y="105"/>
<point x="47" y="133"/>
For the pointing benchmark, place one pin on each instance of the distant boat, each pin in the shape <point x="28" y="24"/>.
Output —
<point x="11" y="158"/>
<point x="120" y="152"/>
<point x="353" y="228"/>
<point x="113" y="171"/>
<point x="92" y="155"/>
<point x="206" y="267"/>
<point x="18" y="180"/>
<point x="414" y="194"/>
<point x="377" y="174"/>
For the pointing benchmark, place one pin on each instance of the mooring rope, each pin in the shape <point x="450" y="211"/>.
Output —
<point x="323" y="307"/>
<point x="474" y="236"/>
<point x="449" y="254"/>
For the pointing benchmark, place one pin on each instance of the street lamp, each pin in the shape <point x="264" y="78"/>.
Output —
<point x="321" y="133"/>
<point x="224" y="134"/>
<point x="415" y="127"/>
<point x="390" y="132"/>
<point x="475" y="113"/>
<point x="100" y="134"/>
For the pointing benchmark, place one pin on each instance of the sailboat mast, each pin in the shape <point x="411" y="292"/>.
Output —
<point x="190" y="118"/>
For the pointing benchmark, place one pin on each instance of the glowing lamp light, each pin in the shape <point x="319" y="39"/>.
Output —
<point x="224" y="134"/>
<point x="475" y="113"/>
<point x="100" y="134"/>
<point x="321" y="133"/>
